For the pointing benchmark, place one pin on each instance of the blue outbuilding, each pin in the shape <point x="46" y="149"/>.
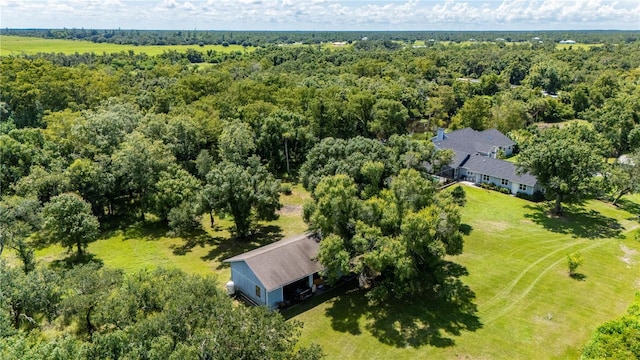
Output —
<point x="277" y="273"/>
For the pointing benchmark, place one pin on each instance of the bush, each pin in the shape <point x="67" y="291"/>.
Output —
<point x="459" y="196"/>
<point x="537" y="196"/>
<point x="286" y="189"/>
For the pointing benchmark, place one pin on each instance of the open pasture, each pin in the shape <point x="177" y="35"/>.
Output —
<point x="16" y="45"/>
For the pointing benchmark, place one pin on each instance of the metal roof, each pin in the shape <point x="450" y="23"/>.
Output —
<point x="283" y="262"/>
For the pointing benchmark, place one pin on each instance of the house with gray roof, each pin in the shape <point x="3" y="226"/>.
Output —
<point x="277" y="273"/>
<point x="476" y="159"/>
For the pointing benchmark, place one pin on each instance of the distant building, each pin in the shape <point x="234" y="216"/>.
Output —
<point x="567" y="42"/>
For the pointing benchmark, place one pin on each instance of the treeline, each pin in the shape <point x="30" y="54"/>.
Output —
<point x="264" y="38"/>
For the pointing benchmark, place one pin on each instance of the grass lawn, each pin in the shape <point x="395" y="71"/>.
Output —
<point x="520" y="302"/>
<point x="527" y="305"/>
<point x="146" y="245"/>
<point x="16" y="45"/>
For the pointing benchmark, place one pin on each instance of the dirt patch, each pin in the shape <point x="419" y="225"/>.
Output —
<point x="290" y="210"/>
<point x="629" y="254"/>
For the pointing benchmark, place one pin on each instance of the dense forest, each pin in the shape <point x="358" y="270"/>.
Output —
<point x="90" y="142"/>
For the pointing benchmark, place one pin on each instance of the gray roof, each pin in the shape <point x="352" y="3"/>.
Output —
<point x="471" y="141"/>
<point x="282" y="262"/>
<point x="498" y="168"/>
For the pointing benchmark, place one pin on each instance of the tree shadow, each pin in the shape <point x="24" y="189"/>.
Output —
<point x="146" y="230"/>
<point x="433" y="318"/>
<point x="576" y="221"/>
<point x="321" y="296"/>
<point x="224" y="248"/>
<point x="74" y="259"/>
<point x="193" y="238"/>
<point x="466" y="229"/>
<point x="578" y="276"/>
<point x="629" y="206"/>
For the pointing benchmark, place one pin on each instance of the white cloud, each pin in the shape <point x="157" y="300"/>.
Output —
<point x="323" y="14"/>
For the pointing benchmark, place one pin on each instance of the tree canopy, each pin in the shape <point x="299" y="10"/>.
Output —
<point x="566" y="161"/>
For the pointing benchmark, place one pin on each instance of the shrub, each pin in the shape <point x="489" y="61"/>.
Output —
<point x="573" y="261"/>
<point x="459" y="196"/>
<point x="286" y="189"/>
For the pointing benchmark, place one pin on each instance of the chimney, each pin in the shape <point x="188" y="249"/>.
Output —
<point x="440" y="134"/>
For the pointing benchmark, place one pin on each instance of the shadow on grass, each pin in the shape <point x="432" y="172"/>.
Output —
<point x="224" y="248"/>
<point x="432" y="319"/>
<point x="629" y="206"/>
<point x="578" y="276"/>
<point x="466" y="229"/>
<point x="194" y="238"/>
<point x="319" y="298"/>
<point x="74" y="259"/>
<point x="576" y="221"/>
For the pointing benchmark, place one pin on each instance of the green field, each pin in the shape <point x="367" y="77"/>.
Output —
<point x="527" y="305"/>
<point x="17" y="45"/>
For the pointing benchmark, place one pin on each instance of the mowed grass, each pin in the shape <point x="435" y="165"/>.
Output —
<point x="146" y="245"/>
<point x="527" y="305"/>
<point x="17" y="45"/>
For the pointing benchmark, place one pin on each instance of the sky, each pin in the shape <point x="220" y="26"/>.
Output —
<point x="320" y="15"/>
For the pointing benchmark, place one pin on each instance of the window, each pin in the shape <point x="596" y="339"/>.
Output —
<point x="523" y="187"/>
<point x="485" y="177"/>
<point x="258" y="291"/>
<point x="505" y="182"/>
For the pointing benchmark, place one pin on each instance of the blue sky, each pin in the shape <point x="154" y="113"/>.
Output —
<point x="323" y="14"/>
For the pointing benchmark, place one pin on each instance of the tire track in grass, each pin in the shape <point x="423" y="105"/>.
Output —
<point x="502" y="294"/>
<point x="503" y="311"/>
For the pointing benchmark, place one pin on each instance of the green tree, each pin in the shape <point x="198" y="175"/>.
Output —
<point x="565" y="162"/>
<point x="475" y="113"/>
<point x="87" y="287"/>
<point x="93" y="181"/>
<point x="389" y="117"/>
<point x="574" y="260"/>
<point x="395" y="241"/>
<point x="28" y="297"/>
<point x="137" y="165"/>
<point x="624" y="177"/>
<point x="67" y="220"/>
<point x="337" y="156"/>
<point x="617" y="339"/>
<point x="19" y="218"/>
<point x="244" y="192"/>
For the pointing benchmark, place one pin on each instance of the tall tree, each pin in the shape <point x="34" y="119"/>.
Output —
<point x="19" y="218"/>
<point x="137" y="165"/>
<point x="475" y="113"/>
<point x="623" y="177"/>
<point x="67" y="219"/>
<point x="565" y="162"/>
<point x="395" y="241"/>
<point x="244" y="192"/>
